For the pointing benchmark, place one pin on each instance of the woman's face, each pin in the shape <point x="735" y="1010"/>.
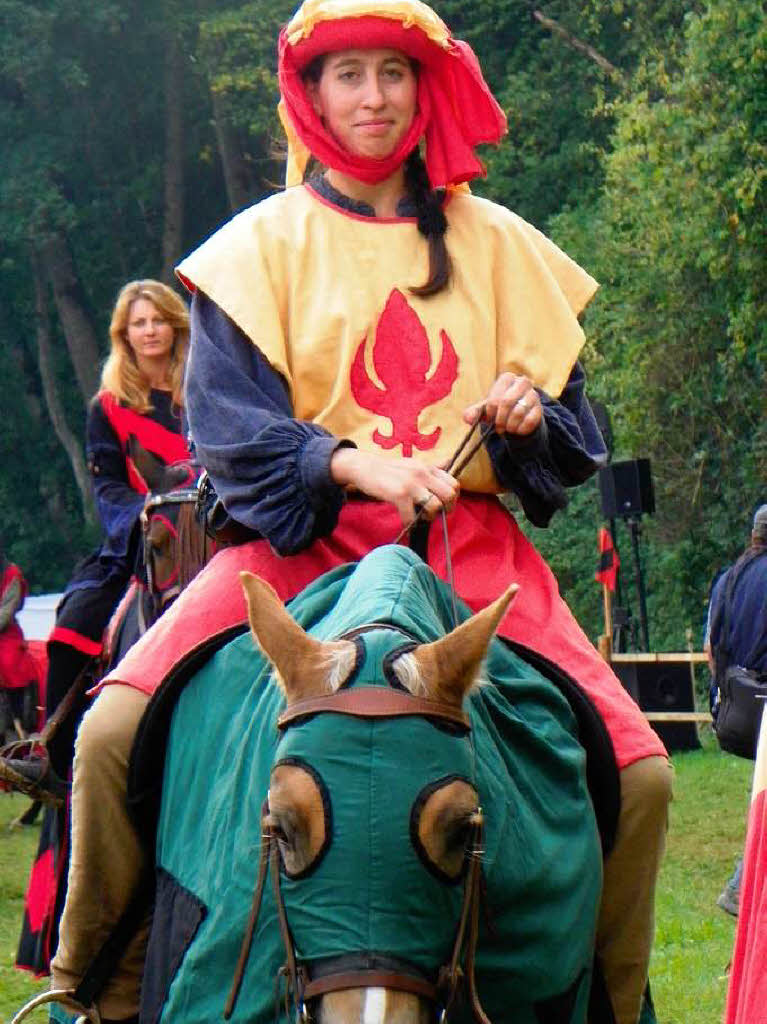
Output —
<point x="148" y="333"/>
<point x="366" y="99"/>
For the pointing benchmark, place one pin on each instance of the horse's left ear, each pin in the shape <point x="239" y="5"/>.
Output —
<point x="151" y="469"/>
<point x="449" y="667"/>
<point x="306" y="667"/>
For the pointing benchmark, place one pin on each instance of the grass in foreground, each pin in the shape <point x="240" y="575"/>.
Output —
<point x="694" y="938"/>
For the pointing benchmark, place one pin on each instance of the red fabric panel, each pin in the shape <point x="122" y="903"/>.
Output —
<point x="488" y="553"/>
<point x="62" y="635"/>
<point x="155" y="438"/>
<point x="609" y="563"/>
<point x="747" y="991"/>
<point x="17" y="667"/>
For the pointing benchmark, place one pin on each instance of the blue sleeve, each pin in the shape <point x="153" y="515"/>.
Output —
<point x="117" y="503"/>
<point x="565" y="450"/>
<point x="271" y="471"/>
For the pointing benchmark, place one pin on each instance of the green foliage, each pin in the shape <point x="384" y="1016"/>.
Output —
<point x="651" y="175"/>
<point x="678" y="239"/>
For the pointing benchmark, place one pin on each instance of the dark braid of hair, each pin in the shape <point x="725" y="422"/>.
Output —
<point x="432" y="224"/>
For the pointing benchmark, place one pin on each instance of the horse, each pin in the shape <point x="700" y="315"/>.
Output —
<point x="173" y="548"/>
<point x="426" y="843"/>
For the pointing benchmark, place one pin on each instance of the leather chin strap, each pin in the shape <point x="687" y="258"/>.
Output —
<point x="370" y="702"/>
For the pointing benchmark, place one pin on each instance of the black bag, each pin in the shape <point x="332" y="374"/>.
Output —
<point x="740" y="711"/>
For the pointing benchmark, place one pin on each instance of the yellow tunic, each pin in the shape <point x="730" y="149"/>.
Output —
<point x="324" y="295"/>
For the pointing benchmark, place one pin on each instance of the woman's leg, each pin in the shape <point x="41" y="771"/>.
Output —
<point x="107" y="858"/>
<point x="75" y="641"/>
<point x="627" y="915"/>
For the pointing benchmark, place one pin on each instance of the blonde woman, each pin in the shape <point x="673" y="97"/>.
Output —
<point x="139" y="402"/>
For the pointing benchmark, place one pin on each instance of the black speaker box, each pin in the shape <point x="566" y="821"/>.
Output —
<point x="662" y="686"/>
<point x="626" y="489"/>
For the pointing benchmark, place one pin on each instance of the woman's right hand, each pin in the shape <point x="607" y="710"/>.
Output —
<point x="406" y="483"/>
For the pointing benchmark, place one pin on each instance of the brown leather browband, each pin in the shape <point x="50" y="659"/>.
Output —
<point x="374" y="702"/>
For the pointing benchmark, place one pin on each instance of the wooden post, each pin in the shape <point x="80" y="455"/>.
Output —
<point x="605" y="645"/>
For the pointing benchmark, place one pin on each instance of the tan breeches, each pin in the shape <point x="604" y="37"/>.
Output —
<point x="107" y="861"/>
<point x="627" y="915"/>
<point x="106" y="858"/>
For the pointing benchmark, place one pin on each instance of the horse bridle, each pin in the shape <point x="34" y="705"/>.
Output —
<point x="159" y="598"/>
<point x="364" y="970"/>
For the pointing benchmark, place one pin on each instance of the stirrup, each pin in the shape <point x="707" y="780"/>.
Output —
<point x="44" y="785"/>
<point x="88" y="1015"/>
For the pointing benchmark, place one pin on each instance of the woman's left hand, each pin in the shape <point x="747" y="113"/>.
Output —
<point x="512" y="403"/>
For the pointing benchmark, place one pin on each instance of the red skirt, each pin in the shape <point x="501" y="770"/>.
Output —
<point x="488" y="551"/>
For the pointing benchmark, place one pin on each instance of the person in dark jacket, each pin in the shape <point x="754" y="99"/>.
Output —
<point x="745" y="642"/>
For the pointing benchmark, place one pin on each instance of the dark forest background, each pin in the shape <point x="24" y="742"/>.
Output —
<point x="637" y="139"/>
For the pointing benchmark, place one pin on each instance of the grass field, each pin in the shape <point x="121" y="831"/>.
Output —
<point x="694" y="938"/>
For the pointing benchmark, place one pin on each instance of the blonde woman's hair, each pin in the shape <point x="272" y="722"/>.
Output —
<point x="121" y="374"/>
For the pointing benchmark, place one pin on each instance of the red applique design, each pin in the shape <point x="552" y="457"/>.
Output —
<point x="402" y="359"/>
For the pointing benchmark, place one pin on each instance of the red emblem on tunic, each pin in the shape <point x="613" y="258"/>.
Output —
<point x="402" y="360"/>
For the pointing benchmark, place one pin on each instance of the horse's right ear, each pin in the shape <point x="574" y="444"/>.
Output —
<point x="306" y="667"/>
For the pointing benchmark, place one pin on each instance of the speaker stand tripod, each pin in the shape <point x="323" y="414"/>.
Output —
<point x="635" y="529"/>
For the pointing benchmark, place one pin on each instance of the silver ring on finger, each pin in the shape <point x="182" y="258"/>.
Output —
<point x="521" y="402"/>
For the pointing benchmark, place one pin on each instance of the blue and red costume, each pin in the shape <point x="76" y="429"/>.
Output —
<point x="92" y="594"/>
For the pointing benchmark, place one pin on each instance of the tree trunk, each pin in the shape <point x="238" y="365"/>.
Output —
<point x="578" y="44"/>
<point x="23" y="363"/>
<point x="69" y="441"/>
<point x="173" y="229"/>
<point x="82" y="342"/>
<point x="237" y="176"/>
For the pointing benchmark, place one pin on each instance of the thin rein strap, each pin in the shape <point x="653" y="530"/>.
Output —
<point x="467" y="932"/>
<point x="247" y="941"/>
<point x="454" y="466"/>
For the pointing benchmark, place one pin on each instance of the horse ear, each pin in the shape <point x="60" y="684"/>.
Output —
<point x="151" y="469"/>
<point x="306" y="667"/>
<point x="448" y="668"/>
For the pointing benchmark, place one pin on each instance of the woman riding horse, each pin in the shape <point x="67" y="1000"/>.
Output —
<point x="344" y="332"/>
<point x="138" y="405"/>
<point x="139" y="400"/>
